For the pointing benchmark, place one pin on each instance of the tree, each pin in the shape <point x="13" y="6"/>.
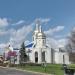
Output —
<point x="71" y="46"/>
<point x="23" y="56"/>
<point x="71" y="42"/>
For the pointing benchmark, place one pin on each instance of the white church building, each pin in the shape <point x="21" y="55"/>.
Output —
<point x="39" y="52"/>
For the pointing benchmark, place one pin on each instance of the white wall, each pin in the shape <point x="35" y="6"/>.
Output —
<point x="48" y="55"/>
<point x="59" y="58"/>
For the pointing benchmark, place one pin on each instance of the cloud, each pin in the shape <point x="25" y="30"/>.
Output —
<point x="54" y="30"/>
<point x="2" y="32"/>
<point x="62" y="42"/>
<point x="52" y="43"/>
<point x="4" y="22"/>
<point x="6" y="32"/>
<point x="19" y="22"/>
<point x="27" y="42"/>
<point x="2" y="45"/>
<point x="43" y="20"/>
<point x="55" y="44"/>
<point x="46" y="20"/>
<point x="52" y="40"/>
<point x="19" y="36"/>
<point x="58" y="28"/>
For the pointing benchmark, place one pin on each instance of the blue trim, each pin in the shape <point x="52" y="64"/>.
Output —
<point x="29" y="45"/>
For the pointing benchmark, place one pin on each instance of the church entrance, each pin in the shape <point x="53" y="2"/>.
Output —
<point x="43" y="56"/>
<point x="36" y="57"/>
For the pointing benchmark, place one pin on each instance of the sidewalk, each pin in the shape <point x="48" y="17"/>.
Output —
<point x="39" y="73"/>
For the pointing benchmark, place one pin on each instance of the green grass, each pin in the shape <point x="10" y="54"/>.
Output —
<point x="50" y="69"/>
<point x="72" y="66"/>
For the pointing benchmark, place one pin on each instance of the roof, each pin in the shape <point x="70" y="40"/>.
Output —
<point x="39" y="34"/>
<point x="29" y="45"/>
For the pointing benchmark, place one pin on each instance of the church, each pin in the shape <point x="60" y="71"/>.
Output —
<point x="39" y="52"/>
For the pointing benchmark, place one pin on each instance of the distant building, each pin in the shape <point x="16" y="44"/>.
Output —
<point x="12" y="55"/>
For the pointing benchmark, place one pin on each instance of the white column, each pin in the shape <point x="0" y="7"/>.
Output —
<point x="39" y="56"/>
<point x="33" y="57"/>
<point x="48" y="55"/>
<point x="67" y="58"/>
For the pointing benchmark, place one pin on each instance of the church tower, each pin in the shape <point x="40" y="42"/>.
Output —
<point x="39" y="37"/>
<point x="35" y="32"/>
<point x="39" y="49"/>
<point x="41" y="52"/>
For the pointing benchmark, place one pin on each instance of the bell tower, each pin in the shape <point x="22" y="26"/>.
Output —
<point x="40" y="38"/>
<point x="36" y="31"/>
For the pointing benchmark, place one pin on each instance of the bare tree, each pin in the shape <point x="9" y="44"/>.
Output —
<point x="71" y="41"/>
<point x="71" y="46"/>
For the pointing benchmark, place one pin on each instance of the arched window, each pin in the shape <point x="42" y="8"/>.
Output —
<point x="36" y="57"/>
<point x="63" y="59"/>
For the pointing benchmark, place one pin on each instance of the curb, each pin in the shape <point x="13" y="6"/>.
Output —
<point x="39" y="73"/>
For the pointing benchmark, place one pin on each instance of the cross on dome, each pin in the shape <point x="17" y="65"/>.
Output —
<point x="38" y="25"/>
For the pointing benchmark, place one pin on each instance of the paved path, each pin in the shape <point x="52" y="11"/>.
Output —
<point x="6" y="71"/>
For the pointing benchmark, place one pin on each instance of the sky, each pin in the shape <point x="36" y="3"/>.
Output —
<point x="17" y="20"/>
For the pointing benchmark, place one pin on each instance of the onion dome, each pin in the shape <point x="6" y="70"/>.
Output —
<point x="41" y="34"/>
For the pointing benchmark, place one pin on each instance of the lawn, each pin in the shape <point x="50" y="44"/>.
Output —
<point x="50" y="69"/>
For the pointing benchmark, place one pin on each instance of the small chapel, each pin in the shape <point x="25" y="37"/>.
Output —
<point x="39" y="52"/>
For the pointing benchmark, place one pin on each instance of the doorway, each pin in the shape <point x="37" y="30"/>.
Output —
<point x="36" y="57"/>
<point x="63" y="59"/>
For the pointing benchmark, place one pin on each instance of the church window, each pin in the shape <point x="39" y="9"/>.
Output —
<point x="63" y="59"/>
<point x="36" y="57"/>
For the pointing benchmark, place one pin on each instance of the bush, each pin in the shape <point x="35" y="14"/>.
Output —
<point x="2" y="64"/>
